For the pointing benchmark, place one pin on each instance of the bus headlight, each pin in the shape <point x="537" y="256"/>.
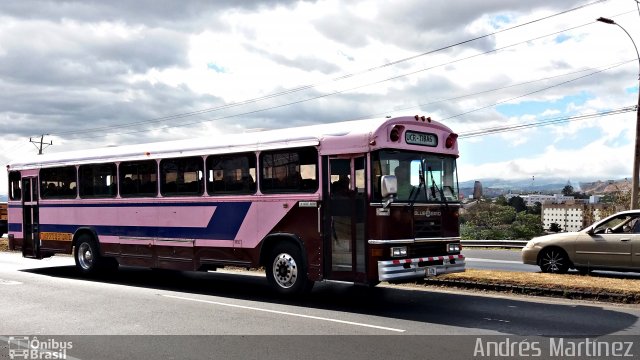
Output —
<point x="399" y="251"/>
<point x="453" y="248"/>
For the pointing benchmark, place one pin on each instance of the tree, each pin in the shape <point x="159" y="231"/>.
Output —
<point x="487" y="221"/>
<point x="536" y="209"/>
<point x="501" y="200"/>
<point x="555" y="227"/>
<point x="518" y="203"/>
<point x="493" y="221"/>
<point x="526" y="226"/>
<point x="567" y="190"/>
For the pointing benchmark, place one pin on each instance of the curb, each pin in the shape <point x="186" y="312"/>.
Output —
<point x="538" y="291"/>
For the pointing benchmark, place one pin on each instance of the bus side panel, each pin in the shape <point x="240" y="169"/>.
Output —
<point x="15" y="225"/>
<point x="303" y="222"/>
<point x="265" y="217"/>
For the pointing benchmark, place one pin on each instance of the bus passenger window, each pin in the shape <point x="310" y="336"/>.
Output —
<point x="58" y="183"/>
<point x="182" y="176"/>
<point x="139" y="178"/>
<point x="287" y="171"/>
<point x="231" y="174"/>
<point x="97" y="181"/>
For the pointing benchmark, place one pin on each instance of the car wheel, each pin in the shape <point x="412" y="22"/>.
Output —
<point x="554" y="260"/>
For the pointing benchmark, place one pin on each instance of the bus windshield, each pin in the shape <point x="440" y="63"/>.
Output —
<point x="422" y="177"/>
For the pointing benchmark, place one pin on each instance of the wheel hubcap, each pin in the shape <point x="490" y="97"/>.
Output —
<point x="553" y="261"/>
<point x="85" y="256"/>
<point x="285" y="270"/>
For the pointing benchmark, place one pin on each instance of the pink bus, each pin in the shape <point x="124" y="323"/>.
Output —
<point x="359" y="201"/>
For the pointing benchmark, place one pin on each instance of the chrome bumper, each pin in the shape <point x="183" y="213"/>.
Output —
<point x="409" y="268"/>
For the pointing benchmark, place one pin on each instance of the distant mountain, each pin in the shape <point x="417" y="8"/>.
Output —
<point x="497" y="187"/>
<point x="3" y="198"/>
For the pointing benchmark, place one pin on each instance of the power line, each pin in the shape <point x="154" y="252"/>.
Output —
<point x="309" y="86"/>
<point x="547" y="122"/>
<point x="325" y="95"/>
<point x="329" y="94"/>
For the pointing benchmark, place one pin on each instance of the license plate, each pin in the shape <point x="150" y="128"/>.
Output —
<point x="430" y="271"/>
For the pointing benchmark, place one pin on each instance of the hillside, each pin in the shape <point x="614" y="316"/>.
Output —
<point x="496" y="187"/>
<point x="605" y="187"/>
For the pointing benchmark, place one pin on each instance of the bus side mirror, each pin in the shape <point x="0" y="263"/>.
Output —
<point x="388" y="189"/>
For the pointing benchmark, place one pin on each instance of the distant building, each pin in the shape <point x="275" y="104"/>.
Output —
<point x="477" y="190"/>
<point x="572" y="217"/>
<point x="532" y="199"/>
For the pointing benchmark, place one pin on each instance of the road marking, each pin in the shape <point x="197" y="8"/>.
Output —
<point x="495" y="261"/>
<point x="286" y="313"/>
<point x="9" y="282"/>
<point x="498" y="320"/>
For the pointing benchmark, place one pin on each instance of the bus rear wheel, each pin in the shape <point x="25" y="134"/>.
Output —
<point x="286" y="271"/>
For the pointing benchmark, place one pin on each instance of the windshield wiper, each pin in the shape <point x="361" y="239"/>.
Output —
<point x="435" y="187"/>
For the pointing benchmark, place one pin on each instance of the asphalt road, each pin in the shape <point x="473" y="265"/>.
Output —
<point x="508" y="260"/>
<point x="511" y="260"/>
<point x="49" y="298"/>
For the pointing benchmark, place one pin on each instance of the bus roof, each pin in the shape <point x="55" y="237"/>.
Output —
<point x="352" y="135"/>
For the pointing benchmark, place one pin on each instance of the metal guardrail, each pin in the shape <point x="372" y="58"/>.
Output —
<point x="494" y="243"/>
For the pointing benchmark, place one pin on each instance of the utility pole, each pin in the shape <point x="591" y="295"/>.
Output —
<point x="39" y="144"/>
<point x="635" y="180"/>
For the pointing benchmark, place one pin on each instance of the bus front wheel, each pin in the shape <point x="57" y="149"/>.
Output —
<point x="87" y="256"/>
<point x="286" y="270"/>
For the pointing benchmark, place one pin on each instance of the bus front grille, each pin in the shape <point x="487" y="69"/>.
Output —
<point x="427" y="228"/>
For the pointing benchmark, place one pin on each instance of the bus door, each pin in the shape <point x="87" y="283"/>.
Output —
<point x="345" y="235"/>
<point x="30" y="218"/>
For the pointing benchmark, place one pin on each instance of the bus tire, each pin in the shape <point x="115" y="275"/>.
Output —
<point x="286" y="270"/>
<point x="86" y="255"/>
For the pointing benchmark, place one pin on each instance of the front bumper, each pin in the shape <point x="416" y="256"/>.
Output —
<point x="530" y="255"/>
<point x="391" y="270"/>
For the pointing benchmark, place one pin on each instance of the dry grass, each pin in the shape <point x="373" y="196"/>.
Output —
<point x="4" y="244"/>
<point x="574" y="282"/>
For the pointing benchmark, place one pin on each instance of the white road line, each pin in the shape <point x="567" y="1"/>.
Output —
<point x="9" y="282"/>
<point x="494" y="261"/>
<point x="286" y="313"/>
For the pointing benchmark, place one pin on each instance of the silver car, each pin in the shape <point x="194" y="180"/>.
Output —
<point x="610" y="244"/>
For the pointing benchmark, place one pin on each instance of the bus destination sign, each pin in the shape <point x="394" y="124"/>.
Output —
<point x="419" y="138"/>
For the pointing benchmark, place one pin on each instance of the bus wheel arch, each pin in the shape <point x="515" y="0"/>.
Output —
<point x="286" y="264"/>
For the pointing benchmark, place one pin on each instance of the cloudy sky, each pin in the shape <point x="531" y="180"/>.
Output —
<point x="98" y="73"/>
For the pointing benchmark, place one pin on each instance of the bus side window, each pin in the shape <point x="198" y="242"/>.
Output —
<point x="97" y="181"/>
<point x="139" y="178"/>
<point x="58" y="183"/>
<point x="231" y="174"/>
<point x="294" y="170"/>
<point x="181" y="176"/>
<point x="15" y="191"/>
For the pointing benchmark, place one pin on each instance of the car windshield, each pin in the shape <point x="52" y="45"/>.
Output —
<point x="422" y="177"/>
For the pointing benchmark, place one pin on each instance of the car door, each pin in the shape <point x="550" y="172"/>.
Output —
<point x="609" y="244"/>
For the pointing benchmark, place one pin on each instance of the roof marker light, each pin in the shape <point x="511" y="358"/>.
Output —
<point x="451" y="140"/>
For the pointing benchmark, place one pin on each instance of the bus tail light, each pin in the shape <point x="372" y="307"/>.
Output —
<point x="451" y="140"/>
